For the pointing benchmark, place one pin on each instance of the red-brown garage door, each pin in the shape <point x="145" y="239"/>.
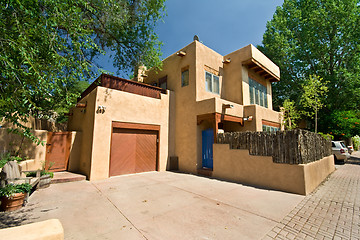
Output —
<point x="133" y="151"/>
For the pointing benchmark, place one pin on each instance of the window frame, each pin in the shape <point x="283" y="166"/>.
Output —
<point x="184" y="70"/>
<point x="268" y="128"/>
<point x="213" y="76"/>
<point x="258" y="93"/>
<point x="163" y="81"/>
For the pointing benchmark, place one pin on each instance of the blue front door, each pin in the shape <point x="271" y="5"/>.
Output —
<point x="207" y="148"/>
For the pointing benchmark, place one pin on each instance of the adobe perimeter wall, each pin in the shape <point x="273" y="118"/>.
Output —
<point x="238" y="166"/>
<point x="34" y="154"/>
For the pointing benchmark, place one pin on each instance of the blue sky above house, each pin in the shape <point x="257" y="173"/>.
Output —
<point x="224" y="26"/>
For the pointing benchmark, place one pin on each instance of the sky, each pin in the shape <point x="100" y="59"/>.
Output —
<point x="224" y="26"/>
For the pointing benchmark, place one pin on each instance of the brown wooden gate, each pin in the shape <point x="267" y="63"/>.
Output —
<point x="133" y="151"/>
<point x="58" y="150"/>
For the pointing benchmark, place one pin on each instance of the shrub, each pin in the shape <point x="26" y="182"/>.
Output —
<point x="10" y="189"/>
<point x="327" y="136"/>
<point x="7" y="157"/>
<point x="42" y="173"/>
<point x="356" y="142"/>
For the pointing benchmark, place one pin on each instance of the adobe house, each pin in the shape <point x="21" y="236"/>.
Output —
<point x="170" y="119"/>
<point x="174" y="114"/>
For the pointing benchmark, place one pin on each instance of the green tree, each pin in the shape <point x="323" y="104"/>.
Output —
<point x="343" y="124"/>
<point x="290" y="114"/>
<point x="313" y="97"/>
<point x="320" y="37"/>
<point x="47" y="46"/>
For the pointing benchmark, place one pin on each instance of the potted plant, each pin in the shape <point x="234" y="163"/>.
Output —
<point x="45" y="176"/>
<point x="12" y="196"/>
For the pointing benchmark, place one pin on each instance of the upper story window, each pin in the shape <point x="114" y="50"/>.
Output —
<point x="212" y="82"/>
<point x="184" y="77"/>
<point x="258" y="93"/>
<point x="163" y="82"/>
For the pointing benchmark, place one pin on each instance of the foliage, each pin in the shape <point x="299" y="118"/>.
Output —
<point x="290" y="114"/>
<point x="343" y="124"/>
<point x="326" y="136"/>
<point x="47" y="46"/>
<point x="313" y="96"/>
<point x="10" y="189"/>
<point x="356" y="142"/>
<point x="42" y="173"/>
<point x="7" y="157"/>
<point x="316" y="37"/>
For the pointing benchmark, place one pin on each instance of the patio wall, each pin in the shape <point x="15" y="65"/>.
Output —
<point x="35" y="154"/>
<point x="239" y="166"/>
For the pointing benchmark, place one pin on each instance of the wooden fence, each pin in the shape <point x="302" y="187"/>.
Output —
<point x="292" y="147"/>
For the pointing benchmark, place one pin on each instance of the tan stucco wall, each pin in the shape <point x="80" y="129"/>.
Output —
<point x="194" y="100"/>
<point x="183" y="106"/>
<point x="35" y="154"/>
<point x="45" y="230"/>
<point x="75" y="152"/>
<point x="82" y="121"/>
<point x="238" y="166"/>
<point x="259" y="114"/>
<point x="266" y="62"/>
<point x="316" y="172"/>
<point x="120" y="107"/>
<point x="237" y="75"/>
<point x="206" y="57"/>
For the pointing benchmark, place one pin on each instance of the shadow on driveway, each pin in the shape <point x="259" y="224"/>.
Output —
<point x="16" y="218"/>
<point x="354" y="159"/>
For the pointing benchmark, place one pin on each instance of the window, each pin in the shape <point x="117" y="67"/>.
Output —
<point x="163" y="82"/>
<point x="267" y="128"/>
<point x="258" y="93"/>
<point x="185" y="77"/>
<point x="212" y="83"/>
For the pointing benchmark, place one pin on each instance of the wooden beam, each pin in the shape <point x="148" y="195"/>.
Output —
<point x="181" y="53"/>
<point x="229" y="118"/>
<point x="251" y="62"/>
<point x="260" y="71"/>
<point x="272" y="124"/>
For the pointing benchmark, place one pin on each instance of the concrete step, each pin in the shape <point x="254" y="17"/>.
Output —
<point x="207" y="172"/>
<point x="62" y="177"/>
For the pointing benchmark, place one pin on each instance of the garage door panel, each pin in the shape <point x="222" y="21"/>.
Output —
<point x="133" y="151"/>
<point x="146" y="152"/>
<point x="123" y="153"/>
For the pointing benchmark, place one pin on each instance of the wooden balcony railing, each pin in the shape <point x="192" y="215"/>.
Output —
<point x="125" y="85"/>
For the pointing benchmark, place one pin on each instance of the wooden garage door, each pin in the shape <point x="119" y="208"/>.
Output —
<point x="133" y="151"/>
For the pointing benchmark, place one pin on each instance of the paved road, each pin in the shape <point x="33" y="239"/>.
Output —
<point x="332" y="211"/>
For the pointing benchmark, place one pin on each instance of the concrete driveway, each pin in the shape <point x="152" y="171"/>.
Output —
<point x="159" y="205"/>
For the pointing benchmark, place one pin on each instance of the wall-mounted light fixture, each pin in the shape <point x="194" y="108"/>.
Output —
<point x="181" y="53"/>
<point x="101" y="109"/>
<point x="249" y="118"/>
<point x="227" y="60"/>
<point x="228" y="106"/>
<point x="80" y="105"/>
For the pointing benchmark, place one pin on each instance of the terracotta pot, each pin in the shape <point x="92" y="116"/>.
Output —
<point x="15" y="202"/>
<point x="44" y="181"/>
